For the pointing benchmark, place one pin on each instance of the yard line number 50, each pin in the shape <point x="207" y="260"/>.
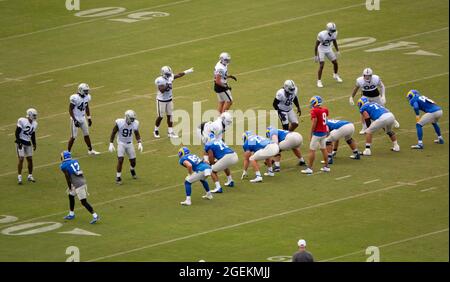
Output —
<point x="131" y="18"/>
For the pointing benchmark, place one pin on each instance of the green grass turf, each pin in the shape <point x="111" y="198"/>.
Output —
<point x="269" y="41"/>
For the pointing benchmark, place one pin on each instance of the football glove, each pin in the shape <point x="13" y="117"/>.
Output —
<point x="89" y="122"/>
<point x="19" y="145"/>
<point x="140" y="147"/>
<point x="351" y="101"/>
<point x="188" y="71"/>
<point x="299" y="112"/>
<point x="76" y="123"/>
<point x="111" y="147"/>
<point x="232" y="77"/>
<point x="34" y="147"/>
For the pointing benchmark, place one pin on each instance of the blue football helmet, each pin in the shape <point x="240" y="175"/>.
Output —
<point x="315" y="101"/>
<point x="412" y="93"/>
<point x="183" y="152"/>
<point x="246" y="135"/>
<point x="268" y="130"/>
<point x="66" y="155"/>
<point x="362" y="101"/>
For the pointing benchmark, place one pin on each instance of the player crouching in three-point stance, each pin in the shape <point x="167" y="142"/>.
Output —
<point x="432" y="114"/>
<point x="319" y="132"/>
<point x="25" y="138"/>
<point x="258" y="148"/>
<point x="220" y="157"/>
<point x="79" y="106"/>
<point x="339" y="129"/>
<point x="164" y="103"/>
<point x="323" y="49"/>
<point x="197" y="170"/>
<point x="283" y="105"/>
<point x="286" y="140"/>
<point x="126" y="126"/>
<point x="382" y="118"/>
<point x="76" y="184"/>
<point x="221" y="86"/>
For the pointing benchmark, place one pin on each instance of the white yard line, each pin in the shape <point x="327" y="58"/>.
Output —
<point x="70" y="84"/>
<point x="201" y="101"/>
<point x="343" y="177"/>
<point x="428" y="189"/>
<point x="98" y="143"/>
<point x="172" y="156"/>
<point x="389" y="244"/>
<point x="89" y="21"/>
<point x="98" y="87"/>
<point x="45" y="136"/>
<point x="260" y="219"/>
<point x="371" y="181"/>
<point x="44" y="81"/>
<point x="151" y="151"/>
<point x="123" y="91"/>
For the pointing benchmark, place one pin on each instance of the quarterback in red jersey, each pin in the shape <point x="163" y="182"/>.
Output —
<point x="319" y="133"/>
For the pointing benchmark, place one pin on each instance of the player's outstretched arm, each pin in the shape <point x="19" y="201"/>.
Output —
<point x="181" y="74"/>
<point x="232" y="77"/>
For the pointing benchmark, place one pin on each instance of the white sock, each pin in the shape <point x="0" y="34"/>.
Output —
<point x="230" y="178"/>
<point x="156" y="128"/>
<point x="94" y="214"/>
<point x="19" y="177"/>
<point x="258" y="173"/>
<point x="170" y="129"/>
<point x="217" y="184"/>
<point x="302" y="159"/>
<point x="395" y="143"/>
<point x="420" y="142"/>
<point x="119" y="174"/>
<point x="71" y="213"/>
<point x="277" y="163"/>
<point x="30" y="175"/>
<point x="188" y="198"/>
<point x="270" y="169"/>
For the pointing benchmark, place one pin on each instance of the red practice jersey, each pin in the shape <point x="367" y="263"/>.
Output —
<point x="321" y="113"/>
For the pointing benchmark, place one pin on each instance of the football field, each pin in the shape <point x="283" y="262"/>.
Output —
<point x="395" y="201"/>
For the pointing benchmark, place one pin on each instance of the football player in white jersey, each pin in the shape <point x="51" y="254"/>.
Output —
<point x="164" y="103"/>
<point x="283" y="104"/>
<point x="25" y="138"/>
<point x="323" y="49"/>
<point x="216" y="127"/>
<point x="78" y="108"/>
<point x="125" y="127"/>
<point x="221" y="86"/>
<point x="370" y="85"/>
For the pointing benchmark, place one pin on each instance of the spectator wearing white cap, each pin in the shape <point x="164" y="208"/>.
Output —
<point x="302" y="255"/>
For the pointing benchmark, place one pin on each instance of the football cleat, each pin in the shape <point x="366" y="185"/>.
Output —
<point x="94" y="220"/>
<point x="186" y="203"/>
<point x="208" y="196"/>
<point x="256" y="179"/>
<point x="439" y="141"/>
<point x="217" y="190"/>
<point x="172" y="135"/>
<point x="133" y="174"/>
<point x="396" y="124"/>
<point x="156" y="133"/>
<point x="19" y="179"/>
<point x="367" y="152"/>
<point x="396" y="148"/>
<point x="362" y="131"/>
<point x="337" y="77"/>
<point x="319" y="84"/>
<point x="93" y="153"/>
<point x="307" y="171"/>
<point x="417" y="146"/>
<point x="229" y="183"/>
<point x="119" y="180"/>
<point x="69" y="217"/>
<point x="301" y="162"/>
<point x="31" y="179"/>
<point x="276" y="168"/>
<point x="356" y="156"/>
<point x="269" y="173"/>
<point x="325" y="169"/>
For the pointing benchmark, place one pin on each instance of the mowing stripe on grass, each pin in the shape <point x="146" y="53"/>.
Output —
<point x="261" y="219"/>
<point x="389" y="244"/>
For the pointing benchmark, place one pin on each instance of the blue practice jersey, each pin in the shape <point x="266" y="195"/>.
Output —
<point x="334" y="124"/>
<point x="195" y="161"/>
<point x="424" y="104"/>
<point x="72" y="167"/>
<point x="374" y="110"/>
<point x="255" y="143"/>
<point x="218" y="147"/>
<point x="279" y="132"/>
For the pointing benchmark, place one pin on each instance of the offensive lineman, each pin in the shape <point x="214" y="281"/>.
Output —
<point x="126" y="126"/>
<point x="164" y="103"/>
<point x="221" y="86"/>
<point x="283" y="105"/>
<point x="78" y="107"/>
<point x="323" y="49"/>
<point x="286" y="140"/>
<point x="369" y="84"/>
<point x="25" y="138"/>
<point x="340" y="129"/>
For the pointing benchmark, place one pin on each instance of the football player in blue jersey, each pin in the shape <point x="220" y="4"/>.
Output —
<point x="258" y="148"/>
<point x="197" y="170"/>
<point x="286" y="140"/>
<point x="432" y="114"/>
<point x="221" y="158"/>
<point x="376" y="117"/>
<point x="76" y="185"/>
<point x="339" y="129"/>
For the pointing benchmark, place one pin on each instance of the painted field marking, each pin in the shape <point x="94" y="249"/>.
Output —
<point x="63" y="141"/>
<point x="98" y="87"/>
<point x="10" y="134"/>
<point x="428" y="189"/>
<point x="98" y="143"/>
<point x="123" y="91"/>
<point x="260" y="219"/>
<point x="343" y="177"/>
<point x="172" y="156"/>
<point x="45" y="136"/>
<point x="201" y="101"/>
<point x="371" y="181"/>
<point x="44" y="81"/>
<point x="89" y="21"/>
<point x="389" y="244"/>
<point x="406" y="183"/>
<point x="70" y="84"/>
<point x="151" y="151"/>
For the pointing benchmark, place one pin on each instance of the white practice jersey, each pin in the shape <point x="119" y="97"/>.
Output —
<point x="222" y="71"/>
<point x="165" y="96"/>
<point x="369" y="88"/>
<point x="125" y="133"/>
<point x="216" y="127"/>
<point x="326" y="39"/>
<point x="27" y="128"/>
<point x="285" y="99"/>
<point x="80" y="104"/>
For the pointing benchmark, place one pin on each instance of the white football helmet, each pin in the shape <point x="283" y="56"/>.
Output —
<point x="227" y="119"/>
<point x="225" y="58"/>
<point x="32" y="114"/>
<point x="166" y="71"/>
<point x="331" y="27"/>
<point x="289" y="86"/>
<point x="367" y="74"/>
<point x="83" y="89"/>
<point x="130" y="116"/>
